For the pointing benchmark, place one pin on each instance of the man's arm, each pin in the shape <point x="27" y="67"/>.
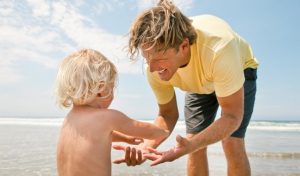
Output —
<point x="166" y="119"/>
<point x="231" y="117"/>
<point x="232" y="110"/>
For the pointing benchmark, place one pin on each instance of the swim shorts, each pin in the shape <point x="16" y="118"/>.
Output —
<point x="200" y="109"/>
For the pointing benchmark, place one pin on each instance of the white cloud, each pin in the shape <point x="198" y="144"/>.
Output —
<point x="86" y="34"/>
<point x="6" y="8"/>
<point x="27" y="44"/>
<point x="43" y="37"/>
<point x="7" y="74"/>
<point x="30" y="55"/>
<point x="40" y="8"/>
<point x="144" y="4"/>
<point x="99" y="6"/>
<point x="26" y="38"/>
<point x="43" y="32"/>
<point x="183" y="5"/>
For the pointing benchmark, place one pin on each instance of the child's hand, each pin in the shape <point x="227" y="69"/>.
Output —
<point x="133" y="155"/>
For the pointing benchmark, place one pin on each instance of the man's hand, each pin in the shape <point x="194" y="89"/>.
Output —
<point x="120" y="137"/>
<point x="133" y="155"/>
<point x="134" y="140"/>
<point x="179" y="150"/>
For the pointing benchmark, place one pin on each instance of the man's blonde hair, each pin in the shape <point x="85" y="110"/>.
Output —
<point x="82" y="75"/>
<point x="161" y="27"/>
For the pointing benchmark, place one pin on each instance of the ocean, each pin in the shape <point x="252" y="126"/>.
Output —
<point x="28" y="146"/>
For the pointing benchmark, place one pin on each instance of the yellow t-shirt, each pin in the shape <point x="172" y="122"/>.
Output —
<point x="218" y="58"/>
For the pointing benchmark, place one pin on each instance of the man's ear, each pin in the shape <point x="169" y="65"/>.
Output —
<point x="185" y="44"/>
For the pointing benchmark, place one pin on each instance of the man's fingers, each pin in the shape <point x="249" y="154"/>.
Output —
<point x="119" y="147"/>
<point x="154" y="151"/>
<point x="137" y="141"/>
<point x="181" y="140"/>
<point x="158" y="161"/>
<point x="150" y="157"/>
<point x="119" y="161"/>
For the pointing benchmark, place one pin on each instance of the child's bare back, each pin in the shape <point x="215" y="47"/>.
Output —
<point x="84" y="146"/>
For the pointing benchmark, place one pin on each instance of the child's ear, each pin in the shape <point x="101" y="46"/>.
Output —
<point x="101" y="86"/>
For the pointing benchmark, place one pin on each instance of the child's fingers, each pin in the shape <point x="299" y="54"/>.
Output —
<point x="133" y="155"/>
<point x="140" y="158"/>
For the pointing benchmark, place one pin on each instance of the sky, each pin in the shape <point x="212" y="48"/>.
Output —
<point x="35" y="36"/>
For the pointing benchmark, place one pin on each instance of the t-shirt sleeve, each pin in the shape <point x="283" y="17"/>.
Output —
<point x="162" y="90"/>
<point x="228" y="73"/>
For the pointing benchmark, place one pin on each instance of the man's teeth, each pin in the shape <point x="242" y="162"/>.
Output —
<point x="161" y="71"/>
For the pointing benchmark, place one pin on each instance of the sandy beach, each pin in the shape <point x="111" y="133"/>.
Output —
<point x="27" y="148"/>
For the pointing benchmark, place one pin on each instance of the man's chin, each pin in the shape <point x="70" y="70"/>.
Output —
<point x="164" y="78"/>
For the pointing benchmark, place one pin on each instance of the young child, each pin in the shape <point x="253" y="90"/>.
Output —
<point x="85" y="82"/>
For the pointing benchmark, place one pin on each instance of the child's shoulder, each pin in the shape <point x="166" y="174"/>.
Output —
<point x="106" y="112"/>
<point x="91" y="118"/>
<point x="109" y="113"/>
<point x="98" y="113"/>
<point x="108" y="117"/>
<point x="95" y="115"/>
<point x="91" y="110"/>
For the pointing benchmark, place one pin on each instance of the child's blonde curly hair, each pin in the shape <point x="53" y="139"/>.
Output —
<point x="82" y="75"/>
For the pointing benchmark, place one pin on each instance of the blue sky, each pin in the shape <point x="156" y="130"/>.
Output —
<point x="35" y="35"/>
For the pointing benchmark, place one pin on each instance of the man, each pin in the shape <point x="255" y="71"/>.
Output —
<point x="215" y="66"/>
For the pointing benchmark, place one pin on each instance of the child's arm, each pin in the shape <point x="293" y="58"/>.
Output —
<point x="132" y="127"/>
<point x="120" y="137"/>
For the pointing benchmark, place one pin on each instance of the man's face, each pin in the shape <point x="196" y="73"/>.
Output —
<point x="165" y="63"/>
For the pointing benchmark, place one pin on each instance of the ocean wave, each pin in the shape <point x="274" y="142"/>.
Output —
<point x="32" y="121"/>
<point x="263" y="125"/>
<point x="274" y="155"/>
<point x="275" y="125"/>
<point x="267" y="155"/>
<point x="256" y="125"/>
